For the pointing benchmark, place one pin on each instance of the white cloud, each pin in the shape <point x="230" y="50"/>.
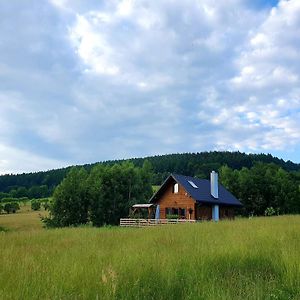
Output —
<point x="15" y="160"/>
<point x="191" y="59"/>
<point x="125" y="8"/>
<point x="269" y="70"/>
<point x="113" y="79"/>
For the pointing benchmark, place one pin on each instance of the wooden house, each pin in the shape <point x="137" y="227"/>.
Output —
<point x="194" y="199"/>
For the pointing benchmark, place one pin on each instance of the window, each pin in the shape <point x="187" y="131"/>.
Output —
<point x="168" y="211"/>
<point x="192" y="184"/>
<point x="176" y="188"/>
<point x="182" y="213"/>
<point x="174" y="211"/>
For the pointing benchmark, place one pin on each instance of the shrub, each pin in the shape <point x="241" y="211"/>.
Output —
<point x="11" y="207"/>
<point x="7" y="208"/>
<point x="8" y="199"/>
<point x="23" y="200"/>
<point x="15" y="206"/>
<point x="46" y="205"/>
<point x="172" y="217"/>
<point x="35" y="205"/>
<point x="270" y="211"/>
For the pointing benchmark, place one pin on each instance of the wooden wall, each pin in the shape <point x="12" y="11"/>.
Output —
<point x="180" y="200"/>
<point x="204" y="212"/>
<point x="226" y="212"/>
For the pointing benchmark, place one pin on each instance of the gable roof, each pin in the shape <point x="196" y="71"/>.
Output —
<point x="202" y="193"/>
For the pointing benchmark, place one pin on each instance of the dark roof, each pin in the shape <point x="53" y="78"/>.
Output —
<point x="202" y="193"/>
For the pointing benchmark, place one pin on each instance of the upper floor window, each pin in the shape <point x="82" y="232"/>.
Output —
<point x="175" y="188"/>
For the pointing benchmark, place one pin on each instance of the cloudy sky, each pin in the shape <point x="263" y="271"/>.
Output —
<point x="84" y="81"/>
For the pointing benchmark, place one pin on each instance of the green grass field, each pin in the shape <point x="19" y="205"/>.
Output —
<point x="242" y="259"/>
<point x="22" y="220"/>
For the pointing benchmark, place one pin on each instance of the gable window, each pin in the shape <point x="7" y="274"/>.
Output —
<point x="176" y="188"/>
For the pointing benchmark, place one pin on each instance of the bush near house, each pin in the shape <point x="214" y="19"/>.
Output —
<point x="169" y="216"/>
<point x="270" y="211"/>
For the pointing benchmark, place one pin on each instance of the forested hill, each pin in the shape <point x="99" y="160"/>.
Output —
<point x="41" y="184"/>
<point x="201" y="164"/>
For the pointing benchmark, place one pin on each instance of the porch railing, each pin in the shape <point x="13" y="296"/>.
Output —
<point x="151" y="222"/>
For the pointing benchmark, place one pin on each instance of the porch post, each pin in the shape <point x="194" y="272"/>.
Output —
<point x="215" y="213"/>
<point x="157" y="213"/>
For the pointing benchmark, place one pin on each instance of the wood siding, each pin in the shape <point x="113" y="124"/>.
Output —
<point x="204" y="212"/>
<point x="182" y="200"/>
<point x="226" y="212"/>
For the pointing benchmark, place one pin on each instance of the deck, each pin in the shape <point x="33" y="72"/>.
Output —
<point x="152" y="222"/>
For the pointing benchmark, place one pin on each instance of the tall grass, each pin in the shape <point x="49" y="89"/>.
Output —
<point x="242" y="259"/>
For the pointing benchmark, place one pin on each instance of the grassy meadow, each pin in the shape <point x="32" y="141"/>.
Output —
<point x="241" y="259"/>
<point x="22" y="220"/>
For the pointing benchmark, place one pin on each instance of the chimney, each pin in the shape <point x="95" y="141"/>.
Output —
<point x="214" y="188"/>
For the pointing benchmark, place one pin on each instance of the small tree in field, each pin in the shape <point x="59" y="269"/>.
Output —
<point x="70" y="202"/>
<point x="11" y="207"/>
<point x="7" y="207"/>
<point x="35" y="205"/>
<point x="15" y="207"/>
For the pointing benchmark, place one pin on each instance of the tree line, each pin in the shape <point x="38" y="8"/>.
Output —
<point x="42" y="184"/>
<point x="105" y="193"/>
<point x="262" y="187"/>
<point x="102" y="193"/>
<point x="34" y="192"/>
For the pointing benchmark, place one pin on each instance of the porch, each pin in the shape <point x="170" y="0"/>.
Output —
<point x="128" y="222"/>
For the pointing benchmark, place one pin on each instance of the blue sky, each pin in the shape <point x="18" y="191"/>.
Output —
<point x="84" y="81"/>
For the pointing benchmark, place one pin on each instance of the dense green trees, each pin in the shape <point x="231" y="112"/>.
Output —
<point x="70" y="201"/>
<point x="258" y="180"/>
<point x="31" y="185"/>
<point x="102" y="196"/>
<point x="263" y="186"/>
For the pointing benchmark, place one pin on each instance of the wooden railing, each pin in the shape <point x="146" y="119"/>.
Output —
<point x="152" y="222"/>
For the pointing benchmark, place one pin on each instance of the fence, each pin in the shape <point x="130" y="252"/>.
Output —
<point x="152" y="222"/>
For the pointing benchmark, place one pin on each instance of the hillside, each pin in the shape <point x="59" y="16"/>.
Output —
<point x="42" y="184"/>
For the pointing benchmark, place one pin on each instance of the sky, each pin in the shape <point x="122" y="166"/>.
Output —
<point x="86" y="81"/>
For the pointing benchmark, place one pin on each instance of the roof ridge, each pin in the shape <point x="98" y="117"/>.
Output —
<point x="189" y="176"/>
